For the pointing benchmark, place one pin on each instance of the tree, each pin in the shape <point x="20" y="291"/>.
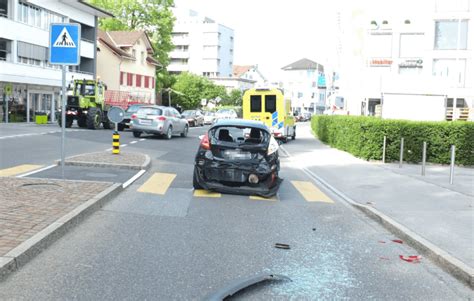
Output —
<point x="153" y="16"/>
<point x="195" y="88"/>
<point x="234" y="98"/>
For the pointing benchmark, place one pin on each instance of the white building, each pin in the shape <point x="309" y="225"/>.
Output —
<point x="24" y="68"/>
<point x="413" y="55"/>
<point x="202" y="46"/>
<point x="304" y="83"/>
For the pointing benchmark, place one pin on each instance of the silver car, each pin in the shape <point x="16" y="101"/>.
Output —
<point x="158" y="120"/>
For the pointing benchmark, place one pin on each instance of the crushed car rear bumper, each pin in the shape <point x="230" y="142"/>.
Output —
<point x="211" y="176"/>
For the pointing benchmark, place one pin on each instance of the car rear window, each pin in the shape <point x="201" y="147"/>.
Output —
<point x="238" y="136"/>
<point x="149" y="111"/>
<point x="133" y="109"/>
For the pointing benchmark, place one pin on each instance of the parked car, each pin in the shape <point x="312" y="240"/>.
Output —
<point x="238" y="156"/>
<point x="158" y="120"/>
<point x="209" y="117"/>
<point x="128" y="114"/>
<point x="226" y="114"/>
<point x="194" y="117"/>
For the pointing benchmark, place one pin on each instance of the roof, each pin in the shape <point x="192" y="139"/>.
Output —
<point x="241" y="122"/>
<point x="304" y="64"/>
<point x="128" y="39"/>
<point x="237" y="70"/>
<point x="88" y="8"/>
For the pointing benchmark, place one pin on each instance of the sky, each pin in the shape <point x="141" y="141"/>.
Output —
<point x="276" y="33"/>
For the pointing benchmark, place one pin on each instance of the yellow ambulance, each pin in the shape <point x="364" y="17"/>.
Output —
<point x="270" y="107"/>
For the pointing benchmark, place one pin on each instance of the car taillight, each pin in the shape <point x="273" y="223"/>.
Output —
<point x="205" y="142"/>
<point x="134" y="116"/>
<point x="161" y="118"/>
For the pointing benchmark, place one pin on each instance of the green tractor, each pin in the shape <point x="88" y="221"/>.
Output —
<point x="86" y="105"/>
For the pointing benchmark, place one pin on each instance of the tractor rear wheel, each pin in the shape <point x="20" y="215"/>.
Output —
<point x="106" y="122"/>
<point x="93" y="118"/>
<point x="82" y="121"/>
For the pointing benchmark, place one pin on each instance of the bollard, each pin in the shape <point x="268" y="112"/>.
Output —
<point x="115" y="143"/>
<point x="451" y="169"/>
<point x="401" y="153"/>
<point x="423" y="159"/>
<point x="384" y="148"/>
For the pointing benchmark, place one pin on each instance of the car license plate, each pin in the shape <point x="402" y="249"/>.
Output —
<point x="145" y="121"/>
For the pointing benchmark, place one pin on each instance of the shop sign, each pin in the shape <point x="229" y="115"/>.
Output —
<point x="381" y="62"/>
<point x="414" y="63"/>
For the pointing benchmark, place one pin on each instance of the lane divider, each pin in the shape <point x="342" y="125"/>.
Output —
<point x="202" y="193"/>
<point x="310" y="192"/>
<point x="36" y="171"/>
<point x="18" y="170"/>
<point x="133" y="179"/>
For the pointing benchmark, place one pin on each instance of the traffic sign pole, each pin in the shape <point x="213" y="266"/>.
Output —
<point x="63" y="119"/>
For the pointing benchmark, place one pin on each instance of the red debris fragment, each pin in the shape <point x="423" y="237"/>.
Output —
<point x="413" y="258"/>
<point x="397" y="241"/>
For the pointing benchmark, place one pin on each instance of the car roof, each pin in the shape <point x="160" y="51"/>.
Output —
<point x="241" y="122"/>
<point x="154" y="107"/>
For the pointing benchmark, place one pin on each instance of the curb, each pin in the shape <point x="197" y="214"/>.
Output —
<point x="443" y="259"/>
<point x="145" y="165"/>
<point x="22" y="254"/>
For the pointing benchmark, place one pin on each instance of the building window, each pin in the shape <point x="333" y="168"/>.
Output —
<point x="4" y="8"/>
<point x="451" y="69"/>
<point x="142" y="57"/>
<point x="145" y="79"/>
<point x="411" y="46"/>
<point x="139" y="80"/>
<point x="36" y="16"/>
<point x="122" y="75"/>
<point x="380" y="45"/>
<point x="452" y="5"/>
<point x="29" y="61"/>
<point x="129" y="79"/>
<point x="446" y="34"/>
<point x="5" y="50"/>
<point x="152" y="82"/>
<point x="134" y="53"/>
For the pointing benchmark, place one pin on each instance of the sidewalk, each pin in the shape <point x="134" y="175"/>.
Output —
<point x="429" y="206"/>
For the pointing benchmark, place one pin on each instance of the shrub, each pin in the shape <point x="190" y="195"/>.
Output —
<point x="363" y="137"/>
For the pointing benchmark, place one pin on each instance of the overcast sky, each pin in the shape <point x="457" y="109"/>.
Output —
<point x="275" y="33"/>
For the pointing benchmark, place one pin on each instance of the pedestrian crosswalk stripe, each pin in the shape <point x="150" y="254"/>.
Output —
<point x="202" y="193"/>
<point x="158" y="183"/>
<point x="259" y="198"/>
<point x="310" y="192"/>
<point x="17" y="170"/>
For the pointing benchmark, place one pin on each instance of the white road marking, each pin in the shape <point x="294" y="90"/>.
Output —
<point x="123" y="145"/>
<point x="36" y="171"/>
<point x="143" y="139"/>
<point x="108" y="150"/>
<point x="133" y="142"/>
<point x="133" y="179"/>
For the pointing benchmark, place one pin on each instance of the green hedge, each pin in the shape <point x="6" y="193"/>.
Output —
<point x="363" y="137"/>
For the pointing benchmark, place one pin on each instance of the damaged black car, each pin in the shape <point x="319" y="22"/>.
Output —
<point x="238" y="157"/>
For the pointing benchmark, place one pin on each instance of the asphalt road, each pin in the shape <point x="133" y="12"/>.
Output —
<point x="178" y="246"/>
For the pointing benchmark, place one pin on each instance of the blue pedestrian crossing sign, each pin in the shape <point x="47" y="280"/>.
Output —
<point x="64" y="44"/>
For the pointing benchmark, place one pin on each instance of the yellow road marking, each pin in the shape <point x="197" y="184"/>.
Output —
<point x="202" y="193"/>
<point x="17" y="170"/>
<point x="310" y="192"/>
<point x="158" y="183"/>
<point x="259" y="198"/>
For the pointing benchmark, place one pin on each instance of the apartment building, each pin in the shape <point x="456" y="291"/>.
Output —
<point x="126" y="65"/>
<point x="27" y="81"/>
<point x="424" y="57"/>
<point x="303" y="83"/>
<point x="202" y="46"/>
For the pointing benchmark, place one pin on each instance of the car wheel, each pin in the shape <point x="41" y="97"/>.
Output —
<point x="69" y="121"/>
<point x="195" y="181"/>
<point x="120" y="127"/>
<point x="294" y="134"/>
<point x="185" y="131"/>
<point x="137" y="134"/>
<point x="169" y="133"/>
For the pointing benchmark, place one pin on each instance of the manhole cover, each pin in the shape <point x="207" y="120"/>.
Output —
<point x="101" y="175"/>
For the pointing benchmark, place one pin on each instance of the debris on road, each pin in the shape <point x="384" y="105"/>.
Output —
<point x="242" y="284"/>
<point x="398" y="241"/>
<point x="384" y="258"/>
<point x="412" y="259"/>
<point x="282" y="246"/>
<point x="381" y="241"/>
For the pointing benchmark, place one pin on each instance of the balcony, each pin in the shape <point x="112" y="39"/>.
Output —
<point x="178" y="67"/>
<point x="179" y="54"/>
<point x="180" y="41"/>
